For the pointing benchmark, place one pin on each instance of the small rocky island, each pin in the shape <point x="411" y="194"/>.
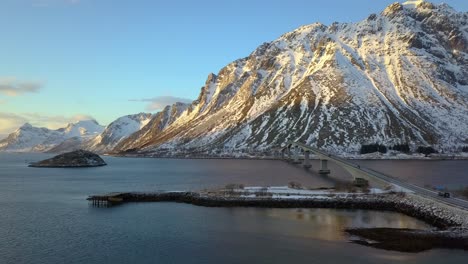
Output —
<point x="75" y="159"/>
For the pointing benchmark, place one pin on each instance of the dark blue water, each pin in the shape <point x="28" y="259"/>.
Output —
<point x="451" y="174"/>
<point x="44" y="217"/>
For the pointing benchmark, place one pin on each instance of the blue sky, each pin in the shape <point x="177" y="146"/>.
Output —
<point x="65" y="60"/>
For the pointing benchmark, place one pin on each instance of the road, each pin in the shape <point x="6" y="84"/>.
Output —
<point x="453" y="201"/>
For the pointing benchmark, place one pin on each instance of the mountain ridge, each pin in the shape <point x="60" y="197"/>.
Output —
<point x="327" y="86"/>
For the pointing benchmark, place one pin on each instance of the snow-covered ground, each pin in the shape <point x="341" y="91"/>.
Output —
<point x="421" y="204"/>
<point x="284" y="192"/>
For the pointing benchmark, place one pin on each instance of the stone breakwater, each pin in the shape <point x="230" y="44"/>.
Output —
<point x="433" y="213"/>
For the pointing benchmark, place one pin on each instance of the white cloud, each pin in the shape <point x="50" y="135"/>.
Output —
<point x="10" y="86"/>
<point x="159" y="102"/>
<point x="9" y="122"/>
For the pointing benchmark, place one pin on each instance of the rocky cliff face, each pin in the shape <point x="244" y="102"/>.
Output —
<point x="398" y="76"/>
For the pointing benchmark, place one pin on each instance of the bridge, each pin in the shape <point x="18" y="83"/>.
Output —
<point x="293" y="149"/>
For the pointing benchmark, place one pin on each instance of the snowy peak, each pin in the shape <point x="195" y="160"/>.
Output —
<point x="118" y="130"/>
<point x="26" y="126"/>
<point x="411" y="7"/>
<point x="210" y="79"/>
<point x="83" y="128"/>
<point x="393" y="10"/>
<point x="413" y="4"/>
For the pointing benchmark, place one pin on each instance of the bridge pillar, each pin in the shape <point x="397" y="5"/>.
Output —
<point x="296" y="155"/>
<point x="287" y="152"/>
<point x="323" y="167"/>
<point x="307" y="163"/>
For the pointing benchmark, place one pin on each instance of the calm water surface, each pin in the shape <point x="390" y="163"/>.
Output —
<point x="452" y="174"/>
<point x="44" y="217"/>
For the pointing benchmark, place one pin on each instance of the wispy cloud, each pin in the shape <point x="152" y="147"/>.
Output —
<point x="10" y="86"/>
<point x="9" y="122"/>
<point x="159" y="102"/>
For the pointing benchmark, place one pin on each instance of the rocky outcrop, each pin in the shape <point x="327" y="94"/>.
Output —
<point x="410" y="240"/>
<point x="75" y="159"/>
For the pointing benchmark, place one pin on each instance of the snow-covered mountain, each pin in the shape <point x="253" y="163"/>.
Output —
<point x="117" y="131"/>
<point x="33" y="139"/>
<point x="86" y="134"/>
<point x="82" y="129"/>
<point x="158" y="123"/>
<point x="398" y="76"/>
<point x="104" y="142"/>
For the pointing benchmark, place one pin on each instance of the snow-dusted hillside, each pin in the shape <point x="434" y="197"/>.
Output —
<point x="33" y="139"/>
<point x="398" y="76"/>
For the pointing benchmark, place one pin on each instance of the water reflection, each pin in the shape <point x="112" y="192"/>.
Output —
<point x="321" y="224"/>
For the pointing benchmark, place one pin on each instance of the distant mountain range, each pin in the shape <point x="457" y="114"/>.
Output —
<point x="34" y="139"/>
<point x="80" y="135"/>
<point x="400" y="76"/>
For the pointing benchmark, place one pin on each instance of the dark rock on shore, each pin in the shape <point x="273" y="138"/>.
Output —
<point x="74" y="159"/>
<point x="409" y="240"/>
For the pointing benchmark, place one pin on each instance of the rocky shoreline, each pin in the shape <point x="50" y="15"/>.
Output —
<point x="437" y="216"/>
<point x="456" y="156"/>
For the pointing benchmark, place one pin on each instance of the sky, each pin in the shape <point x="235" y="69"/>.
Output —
<point x="67" y="60"/>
